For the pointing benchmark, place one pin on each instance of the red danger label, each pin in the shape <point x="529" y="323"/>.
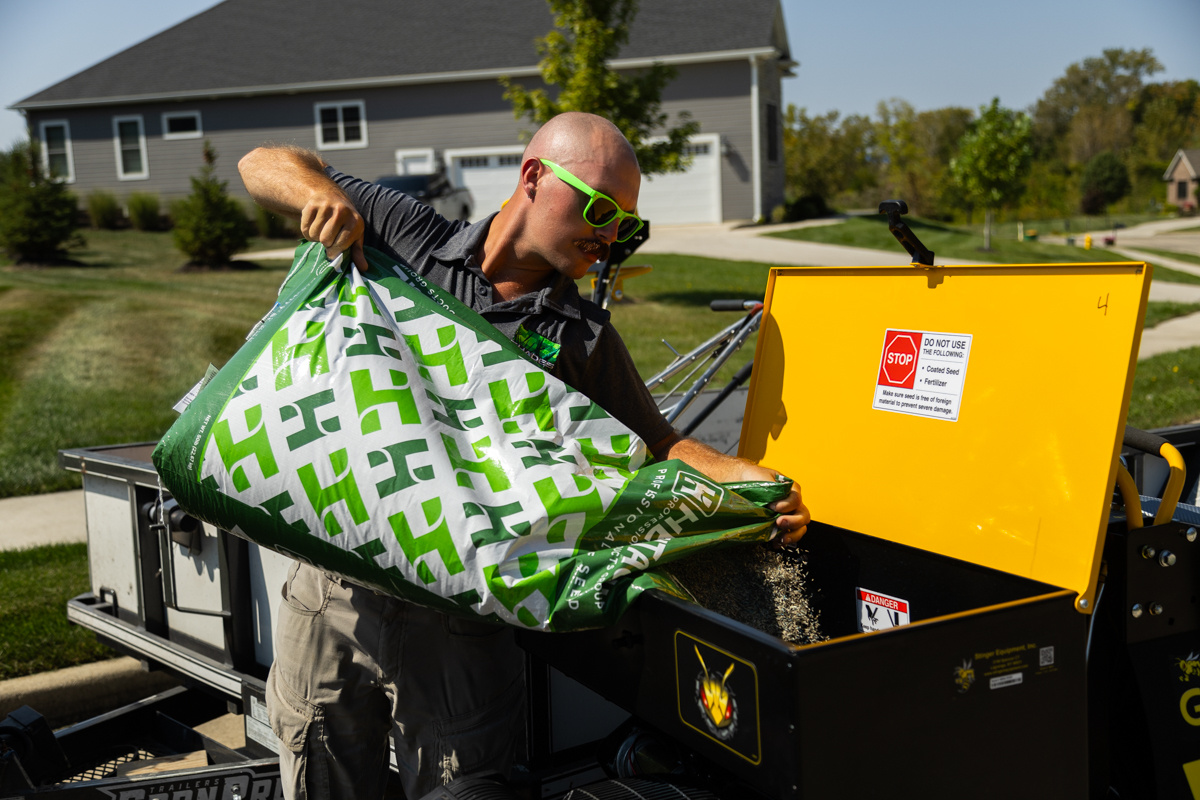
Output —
<point x="898" y="366"/>
<point x="883" y="600"/>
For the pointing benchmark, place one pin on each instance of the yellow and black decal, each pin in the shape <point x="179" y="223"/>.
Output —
<point x="717" y="695"/>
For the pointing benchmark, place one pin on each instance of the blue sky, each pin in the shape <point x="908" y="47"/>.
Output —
<point x="932" y="53"/>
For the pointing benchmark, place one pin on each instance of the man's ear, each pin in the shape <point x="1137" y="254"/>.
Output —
<point x="531" y="171"/>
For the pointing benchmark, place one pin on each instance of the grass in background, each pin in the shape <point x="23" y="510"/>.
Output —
<point x="1166" y="390"/>
<point x="34" y="633"/>
<point x="947" y="242"/>
<point x="1067" y="226"/>
<point x="1168" y="275"/>
<point x="1159" y="312"/>
<point x="671" y="302"/>
<point x="1188" y="257"/>
<point x="97" y="354"/>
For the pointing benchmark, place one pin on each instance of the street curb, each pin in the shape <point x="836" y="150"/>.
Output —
<point x="73" y="694"/>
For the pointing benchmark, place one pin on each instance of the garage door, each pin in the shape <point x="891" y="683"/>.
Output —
<point x="683" y="198"/>
<point x="490" y="174"/>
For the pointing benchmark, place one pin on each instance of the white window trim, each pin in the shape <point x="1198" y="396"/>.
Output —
<point x="416" y="152"/>
<point x="70" y="176"/>
<point x="342" y="145"/>
<point x="116" y="127"/>
<point x="196" y="134"/>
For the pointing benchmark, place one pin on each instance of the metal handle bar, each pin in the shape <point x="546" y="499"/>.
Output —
<point x="1156" y="445"/>
<point x="748" y="326"/>
<point x="734" y="305"/>
<point x="690" y="357"/>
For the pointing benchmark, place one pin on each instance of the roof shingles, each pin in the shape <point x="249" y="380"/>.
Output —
<point x="260" y="43"/>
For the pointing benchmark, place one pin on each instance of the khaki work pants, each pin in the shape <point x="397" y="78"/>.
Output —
<point x="352" y="665"/>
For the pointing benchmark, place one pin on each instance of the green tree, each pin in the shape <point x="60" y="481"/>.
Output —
<point x="574" y="58"/>
<point x="210" y="226"/>
<point x="824" y="158"/>
<point x="1109" y="82"/>
<point x="993" y="161"/>
<point x="1105" y="181"/>
<point x="38" y="216"/>
<point x="1048" y="191"/>
<point x="918" y="147"/>
<point x="1167" y="118"/>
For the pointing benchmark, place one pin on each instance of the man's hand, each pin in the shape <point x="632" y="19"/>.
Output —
<point x="292" y="181"/>
<point x="794" y="517"/>
<point x="331" y="219"/>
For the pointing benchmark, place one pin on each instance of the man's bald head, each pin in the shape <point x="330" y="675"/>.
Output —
<point x="545" y="214"/>
<point x="579" y="138"/>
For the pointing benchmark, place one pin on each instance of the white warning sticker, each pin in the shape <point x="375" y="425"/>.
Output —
<point x="877" y="612"/>
<point x="922" y="373"/>
<point x="1011" y="679"/>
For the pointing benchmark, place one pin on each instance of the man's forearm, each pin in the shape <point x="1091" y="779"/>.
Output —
<point x="292" y="182"/>
<point x="713" y="463"/>
<point x="283" y="179"/>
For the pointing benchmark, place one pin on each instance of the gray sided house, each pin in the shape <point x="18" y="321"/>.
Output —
<point x="1183" y="179"/>
<point x="390" y="87"/>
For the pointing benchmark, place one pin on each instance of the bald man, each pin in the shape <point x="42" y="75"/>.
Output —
<point x="352" y="665"/>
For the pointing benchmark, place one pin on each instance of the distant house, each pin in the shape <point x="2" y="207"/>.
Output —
<point x="387" y="88"/>
<point x="1183" y="177"/>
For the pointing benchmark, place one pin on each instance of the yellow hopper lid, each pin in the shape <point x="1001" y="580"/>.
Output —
<point x="974" y="411"/>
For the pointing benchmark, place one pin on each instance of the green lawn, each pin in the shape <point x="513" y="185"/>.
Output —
<point x="947" y="242"/>
<point x="1188" y="257"/>
<point x="671" y="302"/>
<point x="1068" y="226"/>
<point x="34" y="633"/>
<point x="1157" y="313"/>
<point x="1166" y="390"/>
<point x="98" y="353"/>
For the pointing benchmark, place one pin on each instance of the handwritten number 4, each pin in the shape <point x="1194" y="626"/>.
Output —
<point x="1105" y="306"/>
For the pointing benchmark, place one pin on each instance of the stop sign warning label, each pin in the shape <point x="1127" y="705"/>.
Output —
<point x="898" y="367"/>
<point x="922" y="373"/>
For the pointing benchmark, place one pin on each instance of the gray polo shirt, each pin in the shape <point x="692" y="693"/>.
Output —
<point x="572" y="338"/>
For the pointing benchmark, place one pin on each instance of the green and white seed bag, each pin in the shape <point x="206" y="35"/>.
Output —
<point x="377" y="428"/>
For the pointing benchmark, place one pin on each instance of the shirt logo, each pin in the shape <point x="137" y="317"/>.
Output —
<point x="538" y="346"/>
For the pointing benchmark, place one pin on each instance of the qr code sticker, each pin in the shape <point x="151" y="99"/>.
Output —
<point x="1046" y="656"/>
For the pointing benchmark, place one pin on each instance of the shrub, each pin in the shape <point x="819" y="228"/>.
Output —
<point x="809" y="206"/>
<point x="38" y="216"/>
<point x="210" y="226"/>
<point x="103" y="211"/>
<point x="1105" y="180"/>
<point x="143" y="211"/>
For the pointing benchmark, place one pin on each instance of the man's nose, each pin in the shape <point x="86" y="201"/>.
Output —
<point x="608" y="233"/>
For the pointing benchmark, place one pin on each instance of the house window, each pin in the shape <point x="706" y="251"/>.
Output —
<point x="469" y="162"/>
<point x="341" y="125"/>
<point x="772" y="132"/>
<point x="182" y="125"/>
<point x="513" y="160"/>
<point x="129" y="142"/>
<point x="696" y="149"/>
<point x="1181" y="190"/>
<point x="56" y="150"/>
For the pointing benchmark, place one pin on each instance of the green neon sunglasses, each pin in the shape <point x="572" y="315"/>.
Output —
<point x="601" y="209"/>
